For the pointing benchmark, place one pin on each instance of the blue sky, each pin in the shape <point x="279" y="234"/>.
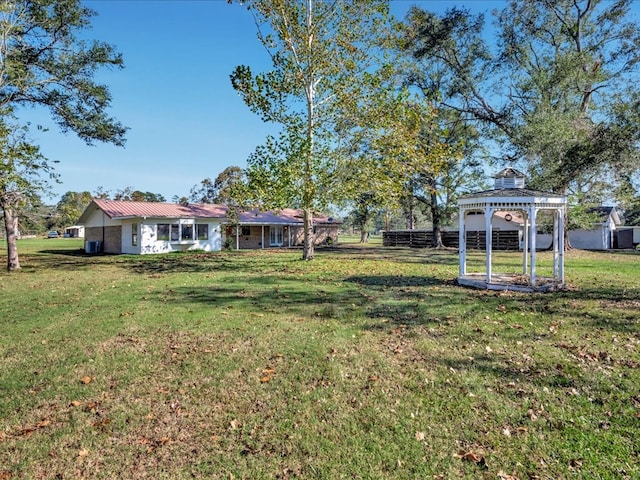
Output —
<point x="186" y="121"/>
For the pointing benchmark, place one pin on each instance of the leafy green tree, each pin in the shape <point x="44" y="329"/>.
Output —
<point x="180" y="200"/>
<point x="222" y="190"/>
<point x="35" y="217"/>
<point x="319" y="51"/>
<point x="138" y="196"/>
<point x="204" y="192"/>
<point x="417" y="146"/>
<point x="44" y="62"/>
<point x="128" y="194"/>
<point x="21" y="169"/>
<point x="553" y="90"/>
<point x="70" y="207"/>
<point x="437" y="190"/>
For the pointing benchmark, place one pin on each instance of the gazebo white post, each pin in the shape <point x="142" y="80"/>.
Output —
<point x="488" y="213"/>
<point x="556" y="241"/>
<point x="561" y="213"/>
<point x="525" y="249"/>
<point x="532" y="228"/>
<point x="462" y="240"/>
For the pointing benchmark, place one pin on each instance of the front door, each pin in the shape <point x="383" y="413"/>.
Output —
<point x="275" y="236"/>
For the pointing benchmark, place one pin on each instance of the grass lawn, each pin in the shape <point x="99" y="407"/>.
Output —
<point x="367" y="362"/>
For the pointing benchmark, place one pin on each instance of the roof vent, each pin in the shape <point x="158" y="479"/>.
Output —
<point x="509" y="178"/>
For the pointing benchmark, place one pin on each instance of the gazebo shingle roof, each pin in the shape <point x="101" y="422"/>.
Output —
<point x="511" y="192"/>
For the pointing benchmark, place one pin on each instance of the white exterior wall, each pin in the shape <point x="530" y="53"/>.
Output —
<point x="597" y="239"/>
<point x="475" y="223"/>
<point x="126" y="246"/>
<point x="100" y="219"/>
<point x="148" y="242"/>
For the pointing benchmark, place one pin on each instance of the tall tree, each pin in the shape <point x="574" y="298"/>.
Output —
<point x="129" y="194"/>
<point x="71" y="206"/>
<point x="222" y="190"/>
<point x="561" y="72"/>
<point x="437" y="191"/>
<point x="44" y="62"/>
<point x="319" y="52"/>
<point x="22" y="168"/>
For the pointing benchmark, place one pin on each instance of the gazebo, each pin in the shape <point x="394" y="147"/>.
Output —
<point x="510" y="195"/>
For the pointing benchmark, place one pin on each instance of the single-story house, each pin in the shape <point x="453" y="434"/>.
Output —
<point x="282" y="228"/>
<point x="74" y="231"/>
<point x="150" y="227"/>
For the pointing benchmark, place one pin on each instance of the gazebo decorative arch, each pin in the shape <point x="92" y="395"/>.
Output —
<point x="511" y="195"/>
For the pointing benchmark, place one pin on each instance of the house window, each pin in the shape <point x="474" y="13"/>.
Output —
<point x="246" y="231"/>
<point x="175" y="232"/>
<point x="202" y="231"/>
<point x="163" y="231"/>
<point x="134" y="234"/>
<point x="187" y="232"/>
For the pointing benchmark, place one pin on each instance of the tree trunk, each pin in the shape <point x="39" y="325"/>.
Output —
<point x="436" y="240"/>
<point x="567" y="242"/>
<point x="364" y="235"/>
<point x="11" y="231"/>
<point x="308" y="247"/>
<point x="411" y="216"/>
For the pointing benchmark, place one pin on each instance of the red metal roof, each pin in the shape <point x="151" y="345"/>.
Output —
<point x="118" y="209"/>
<point x="284" y="216"/>
<point x="115" y="209"/>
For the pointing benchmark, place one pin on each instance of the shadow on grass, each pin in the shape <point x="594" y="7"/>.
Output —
<point x="268" y="294"/>
<point x="397" y="254"/>
<point x="278" y="280"/>
<point x="72" y="259"/>
<point x="395" y="281"/>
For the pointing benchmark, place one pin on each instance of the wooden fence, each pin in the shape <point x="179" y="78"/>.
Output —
<point x="500" y="240"/>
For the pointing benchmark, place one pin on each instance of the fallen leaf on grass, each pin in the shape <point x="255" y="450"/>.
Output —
<point x="76" y="403"/>
<point x="505" y="476"/>
<point x="265" y="379"/>
<point x="86" y="379"/>
<point x="473" y="457"/>
<point x="101" y="423"/>
<point x="420" y="436"/>
<point x="5" y="475"/>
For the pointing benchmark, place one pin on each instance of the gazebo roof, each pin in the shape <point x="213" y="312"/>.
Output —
<point x="510" y="189"/>
<point x="509" y="172"/>
<point x="511" y="192"/>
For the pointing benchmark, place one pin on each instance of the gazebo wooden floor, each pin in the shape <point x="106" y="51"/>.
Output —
<point x="512" y="282"/>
